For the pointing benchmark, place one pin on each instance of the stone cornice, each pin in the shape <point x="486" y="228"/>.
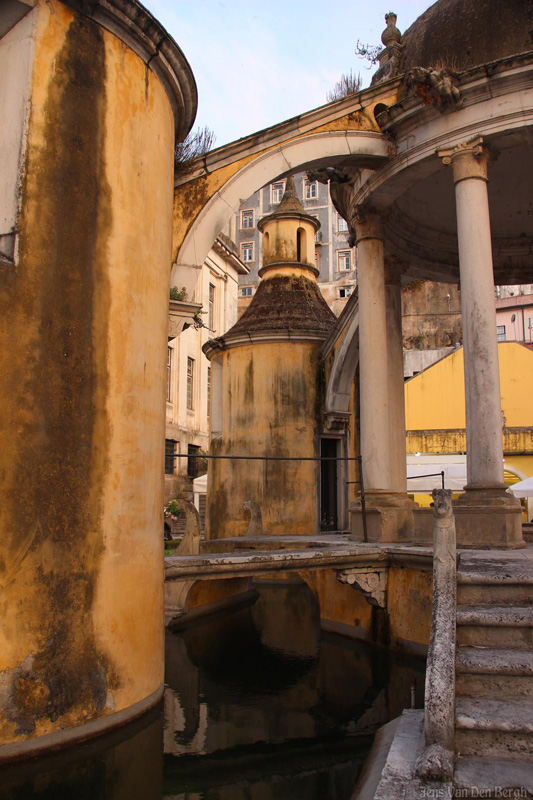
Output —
<point x="420" y="130"/>
<point x="228" y="341"/>
<point x="226" y="250"/>
<point x="488" y="81"/>
<point x="137" y="28"/>
<point x="311" y="121"/>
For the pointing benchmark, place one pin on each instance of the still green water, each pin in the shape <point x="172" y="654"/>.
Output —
<point x="259" y="705"/>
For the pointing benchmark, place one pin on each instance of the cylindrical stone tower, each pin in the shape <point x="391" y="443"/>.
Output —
<point x="99" y="93"/>
<point x="266" y="378"/>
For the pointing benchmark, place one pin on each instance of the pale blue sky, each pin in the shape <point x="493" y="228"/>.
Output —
<point x="259" y="63"/>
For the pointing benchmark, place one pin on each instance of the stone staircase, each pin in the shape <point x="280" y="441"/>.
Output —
<point x="494" y="658"/>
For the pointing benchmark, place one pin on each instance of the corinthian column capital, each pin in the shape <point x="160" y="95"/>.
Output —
<point x="367" y="223"/>
<point x="468" y="159"/>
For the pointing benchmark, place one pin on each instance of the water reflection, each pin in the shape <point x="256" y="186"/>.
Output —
<point x="259" y="705"/>
<point x="126" y="765"/>
<point x="268" y="708"/>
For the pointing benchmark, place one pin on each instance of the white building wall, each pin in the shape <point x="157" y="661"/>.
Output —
<point x="186" y="426"/>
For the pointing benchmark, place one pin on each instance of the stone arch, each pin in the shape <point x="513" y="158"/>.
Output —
<point x="329" y="148"/>
<point x="345" y="363"/>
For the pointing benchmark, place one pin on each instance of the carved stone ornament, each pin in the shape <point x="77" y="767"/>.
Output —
<point x="434" y="87"/>
<point x="468" y="159"/>
<point x="341" y="188"/>
<point x="337" y="420"/>
<point x="371" y="582"/>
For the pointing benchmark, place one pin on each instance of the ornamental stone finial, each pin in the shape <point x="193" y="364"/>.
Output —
<point x="391" y="33"/>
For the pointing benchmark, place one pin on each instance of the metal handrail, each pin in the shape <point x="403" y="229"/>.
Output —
<point x="429" y="475"/>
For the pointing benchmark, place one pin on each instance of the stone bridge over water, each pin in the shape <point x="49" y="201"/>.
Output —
<point x="359" y="587"/>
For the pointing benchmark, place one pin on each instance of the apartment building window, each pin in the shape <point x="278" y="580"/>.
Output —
<point x="247" y="251"/>
<point x="169" y="374"/>
<point x="342" y="225"/>
<point x="247" y="218"/>
<point x="209" y="391"/>
<point x="190" y="384"/>
<point x="344" y="260"/>
<point x="276" y="191"/>
<point x="211" y="308"/>
<point x="345" y="291"/>
<point x="500" y="329"/>
<point x="317" y="260"/>
<point x="246" y="291"/>
<point x="170" y="445"/>
<point x="310" y="190"/>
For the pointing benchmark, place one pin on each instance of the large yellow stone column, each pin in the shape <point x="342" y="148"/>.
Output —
<point x="83" y="316"/>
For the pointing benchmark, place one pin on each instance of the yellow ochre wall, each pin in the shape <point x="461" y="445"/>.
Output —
<point x="269" y="409"/>
<point x="435" y="398"/>
<point x="83" y="382"/>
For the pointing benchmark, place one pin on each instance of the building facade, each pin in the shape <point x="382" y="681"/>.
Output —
<point x="188" y="397"/>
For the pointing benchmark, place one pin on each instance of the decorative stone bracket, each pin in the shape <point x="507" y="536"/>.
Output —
<point x="337" y="420"/>
<point x="371" y="582"/>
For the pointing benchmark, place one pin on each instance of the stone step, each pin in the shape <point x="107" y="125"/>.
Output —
<point x="498" y="594"/>
<point x="495" y="616"/>
<point x="493" y="661"/>
<point x="511" y="687"/>
<point x="495" y="570"/>
<point x="479" y="636"/>
<point x="494" y="715"/>
<point x="494" y="728"/>
<point x="495" y="626"/>
<point x="492" y="777"/>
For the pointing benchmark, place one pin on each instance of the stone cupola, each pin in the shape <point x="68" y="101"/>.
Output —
<point x="287" y="299"/>
<point x="289" y="238"/>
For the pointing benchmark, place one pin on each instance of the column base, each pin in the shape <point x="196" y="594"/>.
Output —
<point x="485" y="518"/>
<point x="389" y="518"/>
<point x="488" y="517"/>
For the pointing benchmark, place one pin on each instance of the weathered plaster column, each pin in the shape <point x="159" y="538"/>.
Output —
<point x="389" y="511"/>
<point x="485" y="485"/>
<point x="393" y="298"/>
<point x="373" y="352"/>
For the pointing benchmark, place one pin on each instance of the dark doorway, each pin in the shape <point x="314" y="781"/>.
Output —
<point x="328" y="485"/>
<point x="193" y="461"/>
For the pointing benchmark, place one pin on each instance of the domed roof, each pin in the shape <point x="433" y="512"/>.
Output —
<point x="286" y="302"/>
<point x="460" y="34"/>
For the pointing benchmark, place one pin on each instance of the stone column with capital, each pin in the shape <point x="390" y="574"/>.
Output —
<point x="389" y="511"/>
<point x="393" y="299"/>
<point x="373" y="356"/>
<point x="485" y="485"/>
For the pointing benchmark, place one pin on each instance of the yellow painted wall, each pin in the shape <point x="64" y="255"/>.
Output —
<point x="409" y="604"/>
<point x="84" y="316"/>
<point x="435" y="398"/>
<point x="409" y="607"/>
<point x="269" y="409"/>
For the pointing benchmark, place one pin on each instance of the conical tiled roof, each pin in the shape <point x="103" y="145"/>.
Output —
<point x="286" y="302"/>
<point x="290" y="201"/>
